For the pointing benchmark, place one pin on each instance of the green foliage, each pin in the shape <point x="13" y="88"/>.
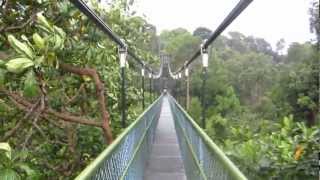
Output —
<point x="18" y="65"/>
<point x="13" y="166"/>
<point x="299" y="85"/>
<point x="30" y="88"/>
<point x="314" y="19"/>
<point x="298" y="53"/>
<point x="227" y="103"/>
<point x="21" y="48"/>
<point x="195" y="109"/>
<point x="202" y="32"/>
<point x="179" y="43"/>
<point x="216" y="127"/>
<point x="55" y="32"/>
<point x="262" y="107"/>
<point x="288" y="152"/>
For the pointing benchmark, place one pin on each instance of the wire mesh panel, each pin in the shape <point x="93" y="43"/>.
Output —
<point x="126" y="157"/>
<point x="202" y="158"/>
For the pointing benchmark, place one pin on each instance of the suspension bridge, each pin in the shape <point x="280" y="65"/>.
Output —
<point x="164" y="142"/>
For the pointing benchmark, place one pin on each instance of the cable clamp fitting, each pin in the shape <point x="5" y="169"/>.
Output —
<point x="204" y="54"/>
<point x="123" y="51"/>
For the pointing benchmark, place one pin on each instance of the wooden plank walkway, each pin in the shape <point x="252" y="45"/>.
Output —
<point x="165" y="161"/>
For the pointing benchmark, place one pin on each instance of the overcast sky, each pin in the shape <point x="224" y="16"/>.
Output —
<point x="269" y="19"/>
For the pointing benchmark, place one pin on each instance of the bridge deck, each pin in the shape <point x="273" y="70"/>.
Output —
<point x="165" y="161"/>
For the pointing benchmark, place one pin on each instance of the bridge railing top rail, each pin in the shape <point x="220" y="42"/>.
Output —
<point x="227" y="164"/>
<point x="106" y="154"/>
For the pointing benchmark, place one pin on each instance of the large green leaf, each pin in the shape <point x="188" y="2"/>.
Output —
<point x="18" y="65"/>
<point x="43" y="22"/>
<point x="6" y="147"/>
<point x="38" y="40"/>
<point x="20" y="47"/>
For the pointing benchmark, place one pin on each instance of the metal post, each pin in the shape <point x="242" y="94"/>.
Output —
<point x="123" y="98"/>
<point x="186" y="74"/>
<point x="180" y="88"/>
<point x="187" y="88"/>
<point x="187" y="93"/>
<point x="183" y="93"/>
<point x="142" y="85"/>
<point x="150" y="88"/>
<point x="205" y="58"/>
<point x="178" y="92"/>
<point x="203" y="99"/>
<point x="153" y="90"/>
<point x="123" y="54"/>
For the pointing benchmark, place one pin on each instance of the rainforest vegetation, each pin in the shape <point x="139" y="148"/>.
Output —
<point x="60" y="90"/>
<point x="59" y="87"/>
<point x="262" y="103"/>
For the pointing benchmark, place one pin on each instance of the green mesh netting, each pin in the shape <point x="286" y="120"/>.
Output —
<point x="201" y="157"/>
<point x="126" y="157"/>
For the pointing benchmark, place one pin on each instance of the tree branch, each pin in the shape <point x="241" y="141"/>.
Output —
<point x="20" y="26"/>
<point x="25" y="105"/>
<point x="99" y="93"/>
<point x="20" y="122"/>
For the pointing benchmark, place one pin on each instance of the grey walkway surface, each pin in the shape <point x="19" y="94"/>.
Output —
<point x="165" y="161"/>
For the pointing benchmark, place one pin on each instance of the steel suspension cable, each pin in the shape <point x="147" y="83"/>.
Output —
<point x="83" y="7"/>
<point x="236" y="11"/>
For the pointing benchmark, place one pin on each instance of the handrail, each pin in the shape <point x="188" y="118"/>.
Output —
<point x="93" y="167"/>
<point x="234" y="172"/>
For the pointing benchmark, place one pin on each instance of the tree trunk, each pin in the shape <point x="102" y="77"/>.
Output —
<point x="311" y="117"/>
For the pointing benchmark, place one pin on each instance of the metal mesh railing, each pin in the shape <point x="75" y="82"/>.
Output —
<point x="126" y="157"/>
<point x="203" y="160"/>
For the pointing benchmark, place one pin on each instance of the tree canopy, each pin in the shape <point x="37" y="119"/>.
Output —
<point x="60" y="90"/>
<point x="262" y="104"/>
